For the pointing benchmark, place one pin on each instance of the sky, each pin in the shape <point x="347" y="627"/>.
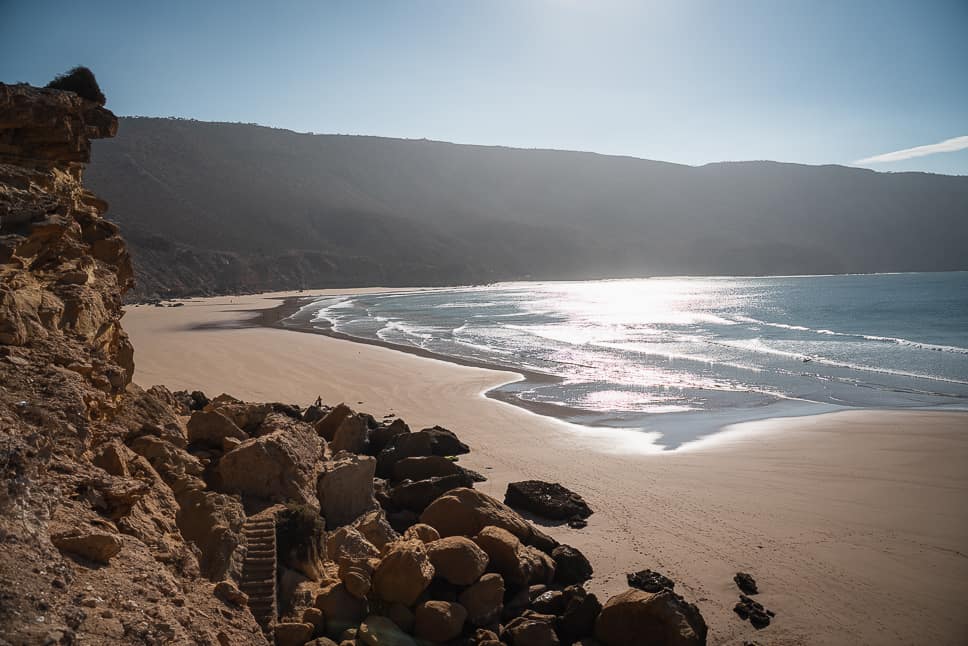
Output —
<point x="848" y="82"/>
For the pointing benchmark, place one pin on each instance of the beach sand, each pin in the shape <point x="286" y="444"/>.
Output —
<point x="855" y="524"/>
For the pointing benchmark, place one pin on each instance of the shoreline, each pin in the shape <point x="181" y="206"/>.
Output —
<point x="829" y="512"/>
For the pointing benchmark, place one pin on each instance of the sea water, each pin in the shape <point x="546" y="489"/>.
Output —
<point x="684" y="356"/>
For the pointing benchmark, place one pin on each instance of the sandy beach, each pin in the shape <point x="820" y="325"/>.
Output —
<point x="853" y="523"/>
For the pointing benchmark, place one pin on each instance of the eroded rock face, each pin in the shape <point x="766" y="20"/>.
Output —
<point x="278" y="467"/>
<point x="636" y="618"/>
<point x="345" y="488"/>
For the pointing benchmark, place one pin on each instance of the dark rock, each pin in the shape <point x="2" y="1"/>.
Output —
<point x="577" y="618"/>
<point x="314" y="413"/>
<point x="637" y="618"/>
<point x="754" y="611"/>
<point x="550" y="602"/>
<point x="416" y="496"/>
<point x="474" y="475"/>
<point x="445" y="442"/>
<point x="745" y="582"/>
<point x="571" y="566"/>
<point x="423" y="467"/>
<point x="539" y="540"/>
<point x="650" y="581"/>
<point x="381" y="436"/>
<point x="199" y="400"/>
<point x="577" y="523"/>
<point x="546" y="499"/>
<point x="290" y="410"/>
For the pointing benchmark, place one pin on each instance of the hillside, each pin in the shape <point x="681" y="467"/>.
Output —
<point x="215" y="208"/>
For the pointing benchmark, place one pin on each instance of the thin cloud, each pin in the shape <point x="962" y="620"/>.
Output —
<point x="946" y="146"/>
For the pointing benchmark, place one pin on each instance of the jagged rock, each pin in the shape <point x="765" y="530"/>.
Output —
<point x="403" y="573"/>
<point x="382" y="435"/>
<point x="375" y="528"/>
<point x="465" y="512"/>
<point x="650" y="581"/>
<point x="439" y="621"/>
<point x="754" y="611"/>
<point x="340" y="608"/>
<point x="546" y="499"/>
<point x="292" y="634"/>
<point x="213" y="522"/>
<point x="212" y="427"/>
<point x="424" y="467"/>
<point x="93" y="545"/>
<point x="457" y="559"/>
<point x="278" y="467"/>
<point x="484" y="600"/>
<point x="517" y="563"/>
<point x="532" y="629"/>
<point x="746" y="583"/>
<point x="637" y="618"/>
<point x="577" y="619"/>
<point x="350" y="435"/>
<point x="326" y="427"/>
<point x="345" y="488"/>
<point x="382" y="631"/>
<point x="421" y="532"/>
<point x="445" y="442"/>
<point x="416" y="496"/>
<point x="229" y="592"/>
<point x="571" y="566"/>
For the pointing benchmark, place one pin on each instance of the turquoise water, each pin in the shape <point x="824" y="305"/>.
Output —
<point x="685" y="355"/>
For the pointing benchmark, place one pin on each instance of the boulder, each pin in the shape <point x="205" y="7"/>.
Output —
<point x="649" y="581"/>
<point x="416" y="496"/>
<point x="326" y="427"/>
<point x="517" y="563"/>
<point x="532" y="629"/>
<point x="381" y="436"/>
<point x="292" y="634"/>
<point x="549" y="602"/>
<point x="457" y="559"/>
<point x="211" y="428"/>
<point x="465" y="512"/>
<point x="421" y="532"/>
<point x="92" y="544"/>
<point x="424" y="467"/>
<point x="577" y="618"/>
<point x="376" y="529"/>
<point x="546" y="499"/>
<point x="484" y="600"/>
<point x="401" y="616"/>
<point x="439" y="621"/>
<point x="278" y="467"/>
<point x="403" y="573"/>
<point x="382" y="631"/>
<point x="229" y="592"/>
<point x="571" y="566"/>
<point x="345" y="488"/>
<point x="350" y="435"/>
<point x="400" y="447"/>
<point x="746" y="583"/>
<point x="213" y="522"/>
<point x="445" y="442"/>
<point x="340" y="608"/>
<point x="637" y="618"/>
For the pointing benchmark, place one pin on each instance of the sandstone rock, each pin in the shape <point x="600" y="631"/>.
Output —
<point x="345" y="488"/>
<point x="277" y="467"/>
<point x="350" y="435"/>
<point x="213" y="522"/>
<point x="375" y="528"/>
<point x="382" y="631"/>
<point x="517" y="563"/>
<point x="229" y="592"/>
<point x="439" y="621"/>
<point x="292" y="634"/>
<point x="416" y="496"/>
<point x="403" y="573"/>
<point x="211" y="427"/>
<point x="457" y="559"/>
<point x="423" y="467"/>
<point x="347" y="545"/>
<point x="571" y="566"/>
<point x="91" y="544"/>
<point x="341" y="609"/>
<point x="532" y="629"/>
<point x="421" y="532"/>
<point x="637" y="618"/>
<point x="401" y="616"/>
<point x="326" y="427"/>
<point x="465" y="512"/>
<point x="546" y="499"/>
<point x="382" y="435"/>
<point x="577" y="619"/>
<point x="484" y="600"/>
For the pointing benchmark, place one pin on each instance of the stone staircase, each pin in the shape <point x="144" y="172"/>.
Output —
<point x="259" y="568"/>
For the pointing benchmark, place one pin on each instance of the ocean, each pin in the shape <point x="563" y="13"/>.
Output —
<point x="684" y="357"/>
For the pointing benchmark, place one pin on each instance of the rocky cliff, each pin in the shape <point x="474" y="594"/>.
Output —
<point x="149" y="517"/>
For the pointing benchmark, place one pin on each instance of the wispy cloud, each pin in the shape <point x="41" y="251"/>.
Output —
<point x="946" y="146"/>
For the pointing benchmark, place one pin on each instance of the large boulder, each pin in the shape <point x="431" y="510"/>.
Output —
<point x="484" y="600"/>
<point x="383" y="434"/>
<point x="430" y="441"/>
<point x="341" y="609"/>
<point x="577" y="618"/>
<point x="439" y="621"/>
<point x="546" y="499"/>
<point x="424" y="467"/>
<point x="277" y="467"/>
<point x="377" y="630"/>
<point x="345" y="488"/>
<point x="210" y="427"/>
<point x="416" y="496"/>
<point x="517" y="563"/>
<point x="403" y="573"/>
<point x="292" y="633"/>
<point x="465" y="512"/>
<point x="92" y="544"/>
<point x="350" y="435"/>
<point x="457" y="559"/>
<point x="637" y="618"/>
<point x="532" y="629"/>
<point x="326" y="427"/>
<point x="571" y="566"/>
<point x="375" y="527"/>
<point x="213" y="522"/>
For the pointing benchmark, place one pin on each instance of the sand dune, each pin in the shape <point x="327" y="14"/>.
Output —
<point x="853" y="523"/>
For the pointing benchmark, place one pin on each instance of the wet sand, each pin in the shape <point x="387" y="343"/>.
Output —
<point x="853" y="523"/>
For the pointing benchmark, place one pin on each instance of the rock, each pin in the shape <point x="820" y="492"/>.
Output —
<point x="341" y="609"/>
<point x="213" y="522"/>
<point x="212" y="427"/>
<point x="350" y="435"/>
<point x="571" y="566"/>
<point x="230" y="443"/>
<point x="577" y="523"/>
<point x="382" y="631"/>
<point x="278" y="467"/>
<point x="326" y="427"/>
<point x="517" y="563"/>
<point x="400" y="447"/>
<point x="91" y="544"/>
<point x="421" y="532"/>
<point x="754" y="611"/>
<point x="465" y="512"/>
<point x="403" y="573"/>
<point x="375" y="528"/>
<point x="546" y="499"/>
<point x="444" y="442"/>
<point x="484" y="600"/>
<point x="746" y="583"/>
<point x="577" y="618"/>
<point x="227" y="591"/>
<point x="381" y="436"/>
<point x="416" y="496"/>
<point x="649" y="581"/>
<point x="314" y="616"/>
<point x="532" y="629"/>
<point x="637" y="618"/>
<point x="345" y="488"/>
<point x="550" y="602"/>
<point x="424" y="467"/>
<point x="457" y="559"/>
<point x="313" y="414"/>
<point x="401" y="616"/>
<point x="439" y="621"/>
<point x="198" y="400"/>
<point x="292" y="634"/>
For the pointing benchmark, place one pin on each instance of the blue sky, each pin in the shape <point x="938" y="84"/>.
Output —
<point x="824" y="81"/>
